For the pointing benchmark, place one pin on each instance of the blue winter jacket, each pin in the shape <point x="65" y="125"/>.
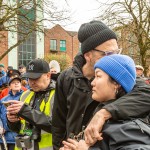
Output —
<point x="9" y="135"/>
<point x="2" y="73"/>
<point x="4" y="80"/>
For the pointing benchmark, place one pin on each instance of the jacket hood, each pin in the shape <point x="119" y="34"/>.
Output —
<point x="78" y="63"/>
<point x="79" y="60"/>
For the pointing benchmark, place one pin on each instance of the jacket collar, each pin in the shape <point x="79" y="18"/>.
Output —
<point x="18" y="93"/>
<point x="50" y="87"/>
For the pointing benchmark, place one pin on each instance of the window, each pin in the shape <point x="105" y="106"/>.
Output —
<point x="27" y="50"/>
<point x="62" y="45"/>
<point x="53" y="45"/>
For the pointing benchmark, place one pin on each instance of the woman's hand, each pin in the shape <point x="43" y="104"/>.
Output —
<point x="71" y="144"/>
<point x="82" y="145"/>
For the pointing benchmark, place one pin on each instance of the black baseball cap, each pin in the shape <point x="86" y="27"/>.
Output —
<point x="13" y="72"/>
<point x="22" y="66"/>
<point x="10" y="68"/>
<point x="36" y="68"/>
<point x="13" y="78"/>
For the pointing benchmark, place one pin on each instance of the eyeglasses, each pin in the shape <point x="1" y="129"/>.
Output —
<point x="20" y="67"/>
<point x="106" y="53"/>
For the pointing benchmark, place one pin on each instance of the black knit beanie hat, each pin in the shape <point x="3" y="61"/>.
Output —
<point x="93" y="34"/>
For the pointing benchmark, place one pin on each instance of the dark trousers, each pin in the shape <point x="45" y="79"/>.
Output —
<point x="9" y="146"/>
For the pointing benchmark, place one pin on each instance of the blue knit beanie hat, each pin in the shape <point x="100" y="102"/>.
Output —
<point x="121" y="68"/>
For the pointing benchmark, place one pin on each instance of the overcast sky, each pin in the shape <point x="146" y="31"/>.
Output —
<point x="81" y="11"/>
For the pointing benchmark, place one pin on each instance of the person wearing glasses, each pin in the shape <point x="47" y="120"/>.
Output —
<point x="115" y="76"/>
<point x="73" y="104"/>
<point x="22" y="69"/>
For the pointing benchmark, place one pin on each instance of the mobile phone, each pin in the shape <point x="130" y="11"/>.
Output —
<point x="6" y="104"/>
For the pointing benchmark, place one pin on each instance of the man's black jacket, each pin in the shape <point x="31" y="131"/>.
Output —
<point x="124" y="135"/>
<point x="73" y="105"/>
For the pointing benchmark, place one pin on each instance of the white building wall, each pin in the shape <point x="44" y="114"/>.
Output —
<point x="12" y="55"/>
<point x="40" y="35"/>
<point x="40" y="45"/>
<point x="12" y="39"/>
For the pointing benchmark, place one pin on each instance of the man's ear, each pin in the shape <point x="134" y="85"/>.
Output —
<point x="87" y="56"/>
<point x="48" y="75"/>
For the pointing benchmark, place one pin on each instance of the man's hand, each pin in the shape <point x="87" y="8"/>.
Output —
<point x="92" y="132"/>
<point x="12" y="117"/>
<point x="15" y="106"/>
<point x="13" y="109"/>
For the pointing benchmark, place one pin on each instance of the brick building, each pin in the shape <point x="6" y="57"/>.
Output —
<point x="19" y="26"/>
<point x="58" y="40"/>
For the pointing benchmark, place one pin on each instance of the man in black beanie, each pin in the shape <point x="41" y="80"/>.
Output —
<point x="73" y="105"/>
<point x="93" y="34"/>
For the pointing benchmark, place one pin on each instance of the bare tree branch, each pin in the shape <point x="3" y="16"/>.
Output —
<point x="132" y="19"/>
<point x="17" y="17"/>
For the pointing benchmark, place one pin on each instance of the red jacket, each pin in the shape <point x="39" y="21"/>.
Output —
<point x="6" y="91"/>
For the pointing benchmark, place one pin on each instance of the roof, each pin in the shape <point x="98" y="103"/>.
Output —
<point x="72" y="33"/>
